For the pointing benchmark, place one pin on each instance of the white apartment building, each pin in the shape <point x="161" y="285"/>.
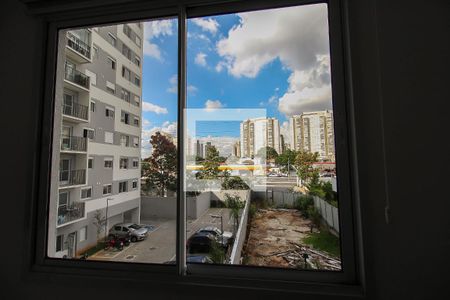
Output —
<point x="259" y="133"/>
<point x="96" y="141"/>
<point x="313" y="132"/>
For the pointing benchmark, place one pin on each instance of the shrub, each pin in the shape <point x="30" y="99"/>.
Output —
<point x="302" y="203"/>
<point x="234" y="183"/>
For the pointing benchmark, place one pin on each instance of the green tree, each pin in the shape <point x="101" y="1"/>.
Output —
<point x="286" y="158"/>
<point x="234" y="183"/>
<point x="304" y="163"/>
<point x="235" y="205"/>
<point x="210" y="164"/>
<point x="267" y="153"/>
<point x="161" y="167"/>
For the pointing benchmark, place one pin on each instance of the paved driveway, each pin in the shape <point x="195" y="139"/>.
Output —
<point x="160" y="245"/>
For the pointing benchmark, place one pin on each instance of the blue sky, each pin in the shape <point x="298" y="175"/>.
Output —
<point x="256" y="60"/>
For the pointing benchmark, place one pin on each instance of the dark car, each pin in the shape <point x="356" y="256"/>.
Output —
<point x="200" y="242"/>
<point x="135" y="232"/>
<point x="226" y="235"/>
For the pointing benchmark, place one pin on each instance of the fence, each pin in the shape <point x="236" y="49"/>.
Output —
<point x="328" y="212"/>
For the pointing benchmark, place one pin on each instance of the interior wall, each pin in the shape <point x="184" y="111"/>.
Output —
<point x="401" y="119"/>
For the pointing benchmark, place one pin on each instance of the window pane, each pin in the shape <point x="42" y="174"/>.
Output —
<point x="260" y="155"/>
<point x="105" y="109"/>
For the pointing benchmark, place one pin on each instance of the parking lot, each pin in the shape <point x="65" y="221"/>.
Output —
<point x="160" y="245"/>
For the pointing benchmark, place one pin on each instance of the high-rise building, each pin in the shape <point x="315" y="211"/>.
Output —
<point x="313" y="132"/>
<point x="237" y="149"/>
<point x="259" y="133"/>
<point x="96" y="150"/>
<point x="199" y="149"/>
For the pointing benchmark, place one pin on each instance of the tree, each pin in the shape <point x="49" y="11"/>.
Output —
<point x="235" y="205"/>
<point x="210" y="164"/>
<point x="161" y="167"/>
<point x="234" y="183"/>
<point x="304" y="163"/>
<point x="286" y="158"/>
<point x="267" y="153"/>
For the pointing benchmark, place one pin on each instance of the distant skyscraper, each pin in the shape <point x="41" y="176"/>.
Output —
<point x="259" y="133"/>
<point x="313" y="132"/>
<point x="237" y="149"/>
<point x="199" y="149"/>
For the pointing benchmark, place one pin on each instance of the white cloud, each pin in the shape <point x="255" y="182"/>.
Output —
<point x="155" y="29"/>
<point x="191" y="89"/>
<point x="167" y="127"/>
<point x="284" y="130"/>
<point x="213" y="104"/>
<point x="264" y="36"/>
<point x="147" y="106"/>
<point x="208" y="24"/>
<point x="146" y="123"/>
<point x="200" y="59"/>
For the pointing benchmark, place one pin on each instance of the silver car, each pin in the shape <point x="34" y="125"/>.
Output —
<point x="136" y="232"/>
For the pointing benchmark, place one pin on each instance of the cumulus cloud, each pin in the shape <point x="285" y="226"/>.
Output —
<point x="207" y="24"/>
<point x="146" y="123"/>
<point x="191" y="89"/>
<point x="284" y="130"/>
<point x="147" y="106"/>
<point x="265" y="36"/>
<point x="155" y="29"/>
<point x="200" y="59"/>
<point x="213" y="104"/>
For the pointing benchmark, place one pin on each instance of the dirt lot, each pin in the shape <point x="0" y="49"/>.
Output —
<point x="274" y="240"/>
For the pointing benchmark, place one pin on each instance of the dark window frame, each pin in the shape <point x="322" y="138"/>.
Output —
<point x="317" y="282"/>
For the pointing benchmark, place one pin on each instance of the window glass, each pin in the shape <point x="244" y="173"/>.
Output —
<point x="260" y="140"/>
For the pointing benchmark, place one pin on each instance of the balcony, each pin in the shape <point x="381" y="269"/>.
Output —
<point x="80" y="80"/>
<point x="70" y="213"/>
<point x="77" y="49"/>
<point x="73" y="144"/>
<point x="68" y="178"/>
<point x="76" y="110"/>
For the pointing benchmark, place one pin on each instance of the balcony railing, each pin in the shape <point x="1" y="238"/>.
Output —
<point x="75" y="76"/>
<point x="73" y="143"/>
<point x="78" y="45"/>
<point x="72" y="177"/>
<point x="76" y="110"/>
<point x="72" y="212"/>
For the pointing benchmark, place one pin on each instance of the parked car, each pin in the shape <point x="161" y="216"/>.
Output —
<point x="136" y="232"/>
<point x="200" y="242"/>
<point x="199" y="258"/>
<point x="227" y="236"/>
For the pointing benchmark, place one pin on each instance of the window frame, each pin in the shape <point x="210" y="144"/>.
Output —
<point x="220" y="276"/>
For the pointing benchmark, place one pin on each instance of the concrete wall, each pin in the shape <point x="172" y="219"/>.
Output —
<point x="158" y="207"/>
<point x="328" y="212"/>
<point x="277" y="198"/>
<point x="196" y="206"/>
<point x="239" y="240"/>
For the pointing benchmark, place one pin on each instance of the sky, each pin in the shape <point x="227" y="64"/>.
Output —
<point x="273" y="60"/>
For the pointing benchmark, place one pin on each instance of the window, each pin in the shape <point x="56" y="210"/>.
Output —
<point x="90" y="162"/>
<point x="137" y="100"/>
<point x="95" y="50"/>
<point x="59" y="242"/>
<point x="137" y="80"/>
<point x="108" y="163"/>
<point x="137" y="61"/>
<point x="92" y="77"/>
<point x="109" y="137"/>
<point x="109" y="112"/>
<point x="125" y="117"/>
<point x="86" y="193"/>
<point x="126" y="51"/>
<point x="136" y="121"/>
<point x="107" y="189"/>
<point x="123" y="163"/>
<point x="92" y="106"/>
<point x="135" y="163"/>
<point x="112" y="39"/>
<point x="111" y="62"/>
<point x="110" y="87"/>
<point x="136" y="142"/>
<point x="125" y="140"/>
<point x="89" y="133"/>
<point x="126" y="73"/>
<point x="82" y="234"/>
<point x="123" y="186"/>
<point x="126" y="95"/>
<point x="138" y="41"/>
<point x="134" y="184"/>
<point x="127" y="30"/>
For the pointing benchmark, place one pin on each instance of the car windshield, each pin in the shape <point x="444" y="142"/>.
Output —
<point x="134" y="226"/>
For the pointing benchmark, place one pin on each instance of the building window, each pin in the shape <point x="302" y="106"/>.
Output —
<point x="82" y="234"/>
<point x="59" y="243"/>
<point x="123" y="163"/>
<point x="90" y="162"/>
<point x="86" y="193"/>
<point x="127" y="30"/>
<point x="135" y="163"/>
<point x="109" y="137"/>
<point x="126" y="95"/>
<point x="126" y="73"/>
<point x="110" y="87"/>
<point x="138" y="41"/>
<point x="125" y="117"/>
<point x="95" y="50"/>
<point x="109" y="112"/>
<point x="108" y="163"/>
<point x="137" y="80"/>
<point x="125" y="140"/>
<point x="92" y="77"/>
<point x="136" y="142"/>
<point x="137" y="61"/>
<point x="136" y="121"/>
<point x="92" y="106"/>
<point x="89" y="133"/>
<point x="112" y="39"/>
<point x="126" y="51"/>
<point x="107" y="189"/>
<point x="111" y="62"/>
<point x="123" y="186"/>
<point x="134" y="184"/>
<point x="137" y="100"/>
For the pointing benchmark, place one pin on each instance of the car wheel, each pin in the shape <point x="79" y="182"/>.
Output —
<point x="133" y="239"/>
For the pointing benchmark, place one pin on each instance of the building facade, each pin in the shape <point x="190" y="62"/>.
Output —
<point x="96" y="141"/>
<point x="259" y="133"/>
<point x="313" y="132"/>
